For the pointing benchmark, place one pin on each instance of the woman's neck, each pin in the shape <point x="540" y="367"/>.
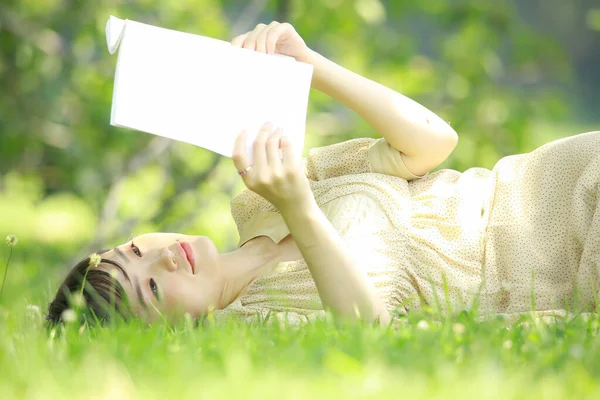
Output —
<point x="256" y="257"/>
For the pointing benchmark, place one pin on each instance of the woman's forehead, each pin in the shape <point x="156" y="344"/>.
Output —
<point x="114" y="266"/>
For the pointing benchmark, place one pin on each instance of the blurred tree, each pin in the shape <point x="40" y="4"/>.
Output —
<point x="475" y="63"/>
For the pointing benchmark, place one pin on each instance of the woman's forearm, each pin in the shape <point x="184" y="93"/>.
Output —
<point x="343" y="287"/>
<point x="405" y="124"/>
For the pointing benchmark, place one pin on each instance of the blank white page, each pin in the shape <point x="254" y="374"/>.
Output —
<point x="201" y="90"/>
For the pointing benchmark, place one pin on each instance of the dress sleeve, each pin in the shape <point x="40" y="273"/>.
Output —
<point x="356" y="156"/>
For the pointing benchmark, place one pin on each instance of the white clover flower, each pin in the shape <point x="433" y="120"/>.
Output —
<point x="95" y="260"/>
<point x="77" y="300"/>
<point x="33" y="308"/>
<point x="33" y="311"/>
<point x="12" y="240"/>
<point x="458" y="329"/>
<point x="68" y="316"/>
<point x="423" y="325"/>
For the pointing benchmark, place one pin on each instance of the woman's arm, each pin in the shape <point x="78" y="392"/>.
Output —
<point x="423" y="138"/>
<point x="343" y="287"/>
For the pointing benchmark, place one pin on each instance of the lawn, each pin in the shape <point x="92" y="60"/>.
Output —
<point x="425" y="356"/>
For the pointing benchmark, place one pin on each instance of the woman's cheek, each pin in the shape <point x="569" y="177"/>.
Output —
<point x="179" y="301"/>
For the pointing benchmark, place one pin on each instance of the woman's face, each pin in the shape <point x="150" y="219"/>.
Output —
<point x="168" y="273"/>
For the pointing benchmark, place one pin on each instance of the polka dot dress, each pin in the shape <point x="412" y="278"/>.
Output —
<point x="523" y="236"/>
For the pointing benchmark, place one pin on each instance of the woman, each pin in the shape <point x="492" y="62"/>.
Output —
<point x="362" y="228"/>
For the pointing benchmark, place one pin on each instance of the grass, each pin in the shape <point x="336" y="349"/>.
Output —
<point x="425" y="356"/>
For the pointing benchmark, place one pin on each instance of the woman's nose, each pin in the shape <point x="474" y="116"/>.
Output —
<point x="168" y="260"/>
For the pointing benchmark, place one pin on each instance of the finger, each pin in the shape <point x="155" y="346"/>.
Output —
<point x="273" y="35"/>
<point x="287" y="149"/>
<point x="273" y="157"/>
<point x="259" y="146"/>
<point x="251" y="39"/>
<point x="239" y="155"/>
<point x="239" y="40"/>
<point x="261" y="40"/>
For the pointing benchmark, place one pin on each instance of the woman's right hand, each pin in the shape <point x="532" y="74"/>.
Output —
<point x="280" y="38"/>
<point x="279" y="180"/>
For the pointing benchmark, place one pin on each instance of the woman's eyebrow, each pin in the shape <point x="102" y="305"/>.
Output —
<point x="119" y="266"/>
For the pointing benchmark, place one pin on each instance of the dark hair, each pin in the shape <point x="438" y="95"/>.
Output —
<point x="104" y="295"/>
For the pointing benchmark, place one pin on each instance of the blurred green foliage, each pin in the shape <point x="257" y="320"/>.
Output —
<point x="70" y="183"/>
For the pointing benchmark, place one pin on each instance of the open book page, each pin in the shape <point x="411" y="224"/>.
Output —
<point x="201" y="90"/>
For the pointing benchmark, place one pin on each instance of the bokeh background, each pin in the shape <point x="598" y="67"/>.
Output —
<point x="509" y="75"/>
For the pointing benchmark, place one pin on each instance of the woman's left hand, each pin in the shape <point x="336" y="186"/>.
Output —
<point x="276" y="37"/>
<point x="281" y="181"/>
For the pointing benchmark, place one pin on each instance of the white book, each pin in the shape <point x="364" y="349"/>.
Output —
<point x="202" y="90"/>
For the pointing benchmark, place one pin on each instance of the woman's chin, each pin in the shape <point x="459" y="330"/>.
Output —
<point x="206" y="255"/>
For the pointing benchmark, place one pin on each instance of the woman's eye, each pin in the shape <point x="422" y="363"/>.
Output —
<point x="154" y="288"/>
<point x="136" y="250"/>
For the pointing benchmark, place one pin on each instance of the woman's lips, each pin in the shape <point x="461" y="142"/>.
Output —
<point x="189" y="254"/>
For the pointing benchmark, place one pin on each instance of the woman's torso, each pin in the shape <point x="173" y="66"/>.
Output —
<point x="430" y="240"/>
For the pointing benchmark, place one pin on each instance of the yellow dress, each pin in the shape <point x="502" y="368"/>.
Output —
<point x="524" y="235"/>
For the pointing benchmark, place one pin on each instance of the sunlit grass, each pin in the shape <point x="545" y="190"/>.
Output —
<point x="425" y="355"/>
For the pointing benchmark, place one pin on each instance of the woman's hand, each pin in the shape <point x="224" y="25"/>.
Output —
<point x="274" y="38"/>
<point x="279" y="180"/>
